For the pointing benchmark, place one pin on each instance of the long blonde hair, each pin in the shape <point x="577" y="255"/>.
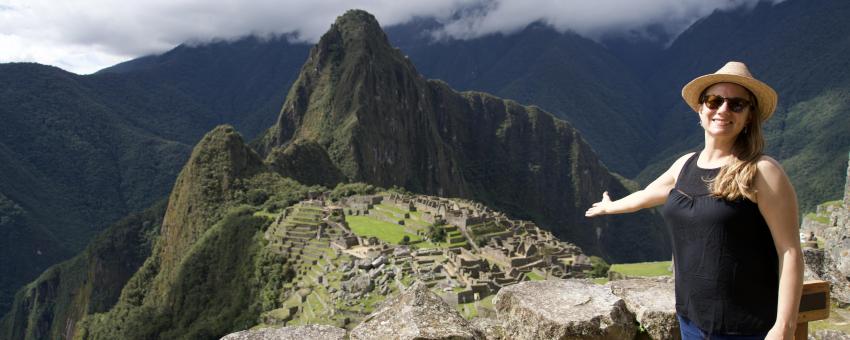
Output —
<point x="735" y="180"/>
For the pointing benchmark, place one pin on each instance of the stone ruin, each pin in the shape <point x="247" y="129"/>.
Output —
<point x="510" y="252"/>
<point x="832" y="263"/>
<point x="511" y="249"/>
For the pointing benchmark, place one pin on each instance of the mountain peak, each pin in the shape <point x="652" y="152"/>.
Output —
<point x="354" y="34"/>
<point x="350" y="73"/>
<point x="219" y="161"/>
<point x="358" y="21"/>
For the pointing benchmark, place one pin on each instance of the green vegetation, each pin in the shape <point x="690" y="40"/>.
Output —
<point x="349" y="189"/>
<point x="391" y="209"/>
<point x="470" y="310"/>
<point x="387" y="232"/>
<point x="599" y="280"/>
<point x="661" y="268"/>
<point x="839" y="320"/>
<point x="816" y="148"/>
<point x="835" y="203"/>
<point x="436" y="233"/>
<point x="818" y="218"/>
<point x="219" y="280"/>
<point x="425" y="244"/>
<point x="74" y="164"/>
<point x="824" y="219"/>
<point x="111" y="258"/>
<point x="534" y="276"/>
<point x="82" y="152"/>
<point x="218" y="288"/>
<point x="600" y="267"/>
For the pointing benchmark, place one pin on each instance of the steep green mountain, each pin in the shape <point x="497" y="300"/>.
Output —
<point x="798" y="47"/>
<point x="572" y="77"/>
<point x="194" y="268"/>
<point x="209" y="271"/>
<point x="50" y="306"/>
<point x="79" y="152"/>
<point x="378" y="121"/>
<point x="69" y="165"/>
<point x="241" y="82"/>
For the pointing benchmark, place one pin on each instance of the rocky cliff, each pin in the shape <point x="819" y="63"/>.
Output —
<point x="377" y="120"/>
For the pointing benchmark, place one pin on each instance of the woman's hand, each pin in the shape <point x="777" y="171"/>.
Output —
<point x="599" y="208"/>
<point x="780" y="333"/>
<point x="653" y="195"/>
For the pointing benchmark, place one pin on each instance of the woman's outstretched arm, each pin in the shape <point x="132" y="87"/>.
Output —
<point x="653" y="195"/>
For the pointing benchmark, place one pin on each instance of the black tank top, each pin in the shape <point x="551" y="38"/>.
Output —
<point x="727" y="270"/>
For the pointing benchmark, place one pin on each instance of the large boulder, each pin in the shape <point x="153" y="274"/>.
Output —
<point x="653" y="301"/>
<point x="815" y="263"/>
<point x="417" y="313"/>
<point x="563" y="309"/>
<point x="324" y="332"/>
<point x="820" y="266"/>
<point x="493" y="329"/>
<point x="829" y="334"/>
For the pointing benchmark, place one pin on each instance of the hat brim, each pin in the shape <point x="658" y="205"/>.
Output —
<point x="765" y="95"/>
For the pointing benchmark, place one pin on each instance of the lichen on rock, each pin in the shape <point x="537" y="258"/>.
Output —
<point x="653" y="302"/>
<point x="563" y="309"/>
<point x="323" y="332"/>
<point x="417" y="313"/>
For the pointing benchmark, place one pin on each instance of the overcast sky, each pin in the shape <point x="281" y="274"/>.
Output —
<point x="83" y="36"/>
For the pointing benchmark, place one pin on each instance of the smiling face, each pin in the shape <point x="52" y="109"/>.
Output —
<point x="723" y="122"/>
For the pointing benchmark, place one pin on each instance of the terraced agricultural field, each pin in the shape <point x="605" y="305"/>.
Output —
<point x="366" y="226"/>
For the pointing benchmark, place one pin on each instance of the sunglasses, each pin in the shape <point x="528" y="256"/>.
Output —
<point x="714" y="102"/>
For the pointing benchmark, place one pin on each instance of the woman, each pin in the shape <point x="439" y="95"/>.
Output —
<point x="732" y="215"/>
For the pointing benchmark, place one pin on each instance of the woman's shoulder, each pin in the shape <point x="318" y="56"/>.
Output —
<point x="680" y="162"/>
<point x="685" y="157"/>
<point x="769" y="166"/>
<point x="771" y="182"/>
<point x="676" y="167"/>
<point x="769" y="173"/>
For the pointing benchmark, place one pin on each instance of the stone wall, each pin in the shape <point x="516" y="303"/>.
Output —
<point x="832" y="263"/>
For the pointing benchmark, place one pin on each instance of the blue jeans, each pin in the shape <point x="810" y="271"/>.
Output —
<point x="690" y="331"/>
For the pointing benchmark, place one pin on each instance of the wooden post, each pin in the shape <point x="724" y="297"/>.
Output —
<point x="802" y="331"/>
<point x="814" y="305"/>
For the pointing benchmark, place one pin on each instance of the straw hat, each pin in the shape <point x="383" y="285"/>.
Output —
<point x="733" y="72"/>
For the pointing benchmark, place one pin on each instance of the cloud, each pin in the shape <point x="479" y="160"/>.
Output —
<point x="592" y="19"/>
<point x="85" y="35"/>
